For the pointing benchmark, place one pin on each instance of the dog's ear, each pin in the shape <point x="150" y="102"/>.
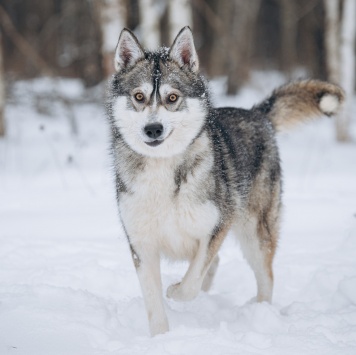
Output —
<point x="183" y="50"/>
<point x="128" y="50"/>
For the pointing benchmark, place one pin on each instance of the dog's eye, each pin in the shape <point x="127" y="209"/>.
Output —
<point x="139" y="97"/>
<point x="172" y="98"/>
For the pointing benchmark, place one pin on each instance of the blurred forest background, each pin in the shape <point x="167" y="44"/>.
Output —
<point x="76" y="39"/>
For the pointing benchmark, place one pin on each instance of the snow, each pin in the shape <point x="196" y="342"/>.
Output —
<point x="67" y="281"/>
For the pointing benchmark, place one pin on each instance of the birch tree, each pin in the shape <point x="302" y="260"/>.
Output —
<point x="149" y="21"/>
<point x="2" y="91"/>
<point x="347" y="68"/>
<point x="288" y="35"/>
<point x="180" y="15"/>
<point x="340" y="49"/>
<point x="332" y="33"/>
<point x="112" y="21"/>
<point x="240" y="25"/>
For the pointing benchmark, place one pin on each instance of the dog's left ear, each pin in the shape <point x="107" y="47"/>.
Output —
<point x="128" y="50"/>
<point x="183" y="50"/>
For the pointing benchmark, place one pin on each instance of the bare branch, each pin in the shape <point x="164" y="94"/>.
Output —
<point x="22" y="44"/>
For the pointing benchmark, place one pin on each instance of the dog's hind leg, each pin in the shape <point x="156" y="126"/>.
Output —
<point x="192" y="282"/>
<point x="258" y="241"/>
<point x="209" y="277"/>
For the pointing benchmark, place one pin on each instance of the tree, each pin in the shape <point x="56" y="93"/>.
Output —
<point x="332" y="25"/>
<point x="180" y="15"/>
<point x="340" y="49"/>
<point x="150" y="23"/>
<point x="2" y="91"/>
<point x="288" y="35"/>
<point x="112" y="21"/>
<point x="347" y="68"/>
<point x="241" y="23"/>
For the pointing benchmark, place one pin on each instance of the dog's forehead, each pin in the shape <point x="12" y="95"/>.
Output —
<point x="158" y="70"/>
<point x="139" y="75"/>
<point x="171" y="74"/>
<point x="165" y="89"/>
<point x="187" y="82"/>
<point x="145" y="87"/>
<point x="154" y="72"/>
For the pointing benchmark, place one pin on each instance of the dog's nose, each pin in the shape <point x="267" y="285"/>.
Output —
<point x="154" y="130"/>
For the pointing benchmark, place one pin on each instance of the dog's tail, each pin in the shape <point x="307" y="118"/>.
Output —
<point x="301" y="101"/>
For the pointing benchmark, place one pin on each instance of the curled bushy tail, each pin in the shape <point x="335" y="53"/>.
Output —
<point x="301" y="101"/>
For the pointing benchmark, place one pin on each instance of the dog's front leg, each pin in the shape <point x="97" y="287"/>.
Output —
<point x="147" y="263"/>
<point x="191" y="284"/>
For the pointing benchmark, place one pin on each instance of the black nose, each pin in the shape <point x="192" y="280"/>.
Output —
<point x="154" y="130"/>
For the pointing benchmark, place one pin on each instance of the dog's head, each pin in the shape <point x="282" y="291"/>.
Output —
<point x="159" y="100"/>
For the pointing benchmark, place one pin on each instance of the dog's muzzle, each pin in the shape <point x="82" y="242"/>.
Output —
<point x="154" y="131"/>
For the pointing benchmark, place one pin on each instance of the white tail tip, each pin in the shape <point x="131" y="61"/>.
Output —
<point x="329" y="104"/>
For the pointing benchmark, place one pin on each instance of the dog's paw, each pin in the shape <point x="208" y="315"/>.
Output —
<point x="159" y="327"/>
<point x="180" y="293"/>
<point x="259" y="299"/>
<point x="208" y="281"/>
<point x="174" y="292"/>
<point x="252" y="300"/>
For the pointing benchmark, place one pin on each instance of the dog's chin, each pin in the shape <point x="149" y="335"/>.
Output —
<point x="164" y="148"/>
<point x="155" y="143"/>
<point x="159" y="149"/>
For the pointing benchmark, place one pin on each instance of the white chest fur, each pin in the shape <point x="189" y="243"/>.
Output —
<point x="156" y="216"/>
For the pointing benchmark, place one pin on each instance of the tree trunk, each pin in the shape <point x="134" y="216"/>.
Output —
<point x="332" y="25"/>
<point x="347" y="68"/>
<point x="112" y="21"/>
<point x="2" y="90"/>
<point x="150" y="22"/>
<point x="213" y="36"/>
<point x="240" y="28"/>
<point x="311" y="33"/>
<point x="288" y="35"/>
<point x="180" y="15"/>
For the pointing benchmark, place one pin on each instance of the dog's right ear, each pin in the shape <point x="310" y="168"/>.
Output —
<point x="183" y="50"/>
<point x="128" y="50"/>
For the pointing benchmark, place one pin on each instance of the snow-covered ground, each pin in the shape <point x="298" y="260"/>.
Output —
<point x="67" y="282"/>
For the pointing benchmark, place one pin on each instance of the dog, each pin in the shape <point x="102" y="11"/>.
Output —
<point x="186" y="172"/>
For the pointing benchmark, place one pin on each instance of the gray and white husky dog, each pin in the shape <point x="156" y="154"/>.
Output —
<point x="187" y="173"/>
